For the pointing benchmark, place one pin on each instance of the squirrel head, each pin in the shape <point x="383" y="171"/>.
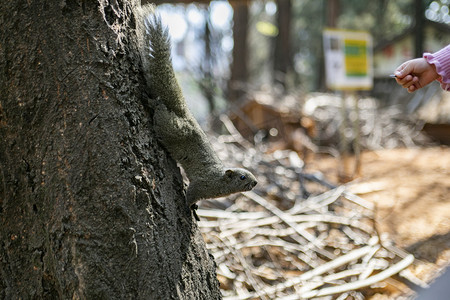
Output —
<point x="240" y="179"/>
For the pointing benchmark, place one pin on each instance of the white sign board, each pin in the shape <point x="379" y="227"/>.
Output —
<point x="348" y="59"/>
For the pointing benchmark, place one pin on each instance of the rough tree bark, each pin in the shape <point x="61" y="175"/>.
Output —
<point x="91" y="206"/>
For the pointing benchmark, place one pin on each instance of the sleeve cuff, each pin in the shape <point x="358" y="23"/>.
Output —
<point x="441" y="60"/>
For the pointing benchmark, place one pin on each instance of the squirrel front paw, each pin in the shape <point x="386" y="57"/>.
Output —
<point x="194" y="208"/>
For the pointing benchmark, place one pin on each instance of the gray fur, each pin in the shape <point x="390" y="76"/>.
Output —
<point x="175" y="126"/>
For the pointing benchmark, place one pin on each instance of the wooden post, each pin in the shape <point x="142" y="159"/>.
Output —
<point x="345" y="171"/>
<point x="356" y="140"/>
<point x="343" y="168"/>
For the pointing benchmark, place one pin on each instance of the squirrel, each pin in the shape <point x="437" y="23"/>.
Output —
<point x="176" y="127"/>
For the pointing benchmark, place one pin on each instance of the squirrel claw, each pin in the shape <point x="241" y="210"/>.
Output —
<point x="194" y="207"/>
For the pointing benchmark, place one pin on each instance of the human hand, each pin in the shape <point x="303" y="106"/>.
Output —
<point x="415" y="74"/>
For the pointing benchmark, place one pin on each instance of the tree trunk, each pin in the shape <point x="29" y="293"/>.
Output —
<point x="419" y="25"/>
<point x="91" y="206"/>
<point x="333" y="12"/>
<point x="283" y="54"/>
<point x="239" y="67"/>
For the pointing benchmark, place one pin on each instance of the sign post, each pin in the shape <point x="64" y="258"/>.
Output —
<point x="348" y="66"/>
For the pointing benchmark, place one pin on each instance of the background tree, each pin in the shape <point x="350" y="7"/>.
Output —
<point x="91" y="206"/>
<point x="419" y="18"/>
<point x="282" y="61"/>
<point x="239" y="67"/>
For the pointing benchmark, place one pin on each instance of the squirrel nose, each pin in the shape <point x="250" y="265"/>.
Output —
<point x="254" y="183"/>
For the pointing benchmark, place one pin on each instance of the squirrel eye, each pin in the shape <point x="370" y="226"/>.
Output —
<point x="242" y="177"/>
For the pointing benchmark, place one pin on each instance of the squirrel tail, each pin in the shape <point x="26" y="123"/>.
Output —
<point x="155" y="51"/>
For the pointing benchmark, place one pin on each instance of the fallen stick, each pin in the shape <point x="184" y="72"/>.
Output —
<point x="318" y="245"/>
<point x="331" y="265"/>
<point x="316" y="202"/>
<point x="217" y="213"/>
<point x="283" y="216"/>
<point x="234" y="132"/>
<point x="394" y="269"/>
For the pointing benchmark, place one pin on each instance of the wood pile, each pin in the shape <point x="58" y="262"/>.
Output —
<point x="295" y="236"/>
<point x="379" y="127"/>
<point x="276" y="119"/>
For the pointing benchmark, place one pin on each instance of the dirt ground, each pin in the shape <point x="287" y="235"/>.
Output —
<point x="411" y="190"/>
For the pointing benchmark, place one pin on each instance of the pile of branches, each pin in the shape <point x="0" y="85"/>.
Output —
<point x="379" y="127"/>
<point x="295" y="236"/>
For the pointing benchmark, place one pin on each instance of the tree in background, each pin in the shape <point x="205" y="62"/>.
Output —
<point x="419" y="22"/>
<point x="282" y="59"/>
<point x="91" y="206"/>
<point x="239" y="68"/>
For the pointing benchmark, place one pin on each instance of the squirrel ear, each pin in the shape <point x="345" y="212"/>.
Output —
<point x="229" y="173"/>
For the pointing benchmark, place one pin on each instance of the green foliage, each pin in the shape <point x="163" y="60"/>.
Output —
<point x="383" y="19"/>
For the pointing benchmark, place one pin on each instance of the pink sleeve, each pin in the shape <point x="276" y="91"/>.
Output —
<point x="441" y="60"/>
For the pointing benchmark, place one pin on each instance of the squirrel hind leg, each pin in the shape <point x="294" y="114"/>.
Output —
<point x="167" y="122"/>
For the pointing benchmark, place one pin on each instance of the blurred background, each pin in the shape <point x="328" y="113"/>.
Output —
<point x="247" y="57"/>
<point x="231" y="49"/>
<point x="254" y="73"/>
